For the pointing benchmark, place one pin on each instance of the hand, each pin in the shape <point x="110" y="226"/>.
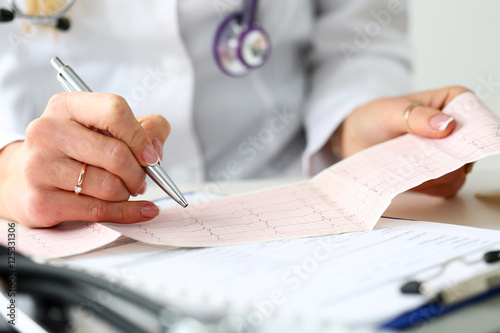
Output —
<point x="383" y="119"/>
<point x="43" y="170"/>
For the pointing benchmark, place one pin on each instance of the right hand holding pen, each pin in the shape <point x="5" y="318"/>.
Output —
<point x="44" y="169"/>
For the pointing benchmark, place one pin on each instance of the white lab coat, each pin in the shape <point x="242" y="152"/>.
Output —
<point x="327" y="58"/>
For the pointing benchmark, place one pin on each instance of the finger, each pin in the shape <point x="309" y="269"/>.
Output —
<point x="446" y="186"/>
<point x="442" y="190"/>
<point x="157" y="129"/>
<point x="427" y="122"/>
<point x="110" y="154"/>
<point x="65" y="206"/>
<point x="468" y="168"/>
<point x="437" y="98"/>
<point x="106" y="112"/>
<point x="97" y="182"/>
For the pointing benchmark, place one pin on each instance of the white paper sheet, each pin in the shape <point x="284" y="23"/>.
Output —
<point x="352" y="278"/>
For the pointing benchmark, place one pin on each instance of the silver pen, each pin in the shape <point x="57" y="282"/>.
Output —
<point x="72" y="82"/>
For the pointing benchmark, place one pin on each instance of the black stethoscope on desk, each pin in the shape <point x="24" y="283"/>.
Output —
<point x="58" y="289"/>
<point x="240" y="44"/>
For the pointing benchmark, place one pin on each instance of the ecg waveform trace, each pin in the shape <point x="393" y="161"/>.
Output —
<point x="65" y="239"/>
<point x="349" y="196"/>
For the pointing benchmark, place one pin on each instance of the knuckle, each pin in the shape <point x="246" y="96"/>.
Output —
<point x="37" y="129"/>
<point x="137" y="184"/>
<point x="123" y="213"/>
<point x="111" y="188"/>
<point x="137" y="138"/>
<point x="33" y="129"/>
<point x="36" y="207"/>
<point x="32" y="165"/>
<point x="57" y="102"/>
<point x="98" y="211"/>
<point x="101" y="211"/>
<point x="118" y="109"/>
<point x="117" y="153"/>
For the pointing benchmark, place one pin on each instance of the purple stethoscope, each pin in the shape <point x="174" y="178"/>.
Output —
<point x="240" y="45"/>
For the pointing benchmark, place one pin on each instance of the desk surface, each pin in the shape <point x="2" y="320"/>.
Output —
<point x="477" y="204"/>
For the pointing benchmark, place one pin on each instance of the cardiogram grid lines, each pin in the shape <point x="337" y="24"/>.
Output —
<point x="273" y="214"/>
<point x="350" y="195"/>
<point x="67" y="238"/>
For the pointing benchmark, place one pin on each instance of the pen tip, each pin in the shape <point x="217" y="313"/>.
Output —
<point x="181" y="200"/>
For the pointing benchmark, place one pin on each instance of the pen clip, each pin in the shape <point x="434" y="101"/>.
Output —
<point x="65" y="83"/>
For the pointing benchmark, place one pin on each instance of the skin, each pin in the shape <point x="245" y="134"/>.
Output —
<point x="38" y="175"/>
<point x="383" y="119"/>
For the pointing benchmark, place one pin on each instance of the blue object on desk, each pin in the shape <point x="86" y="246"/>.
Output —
<point x="441" y="302"/>
<point x="432" y="310"/>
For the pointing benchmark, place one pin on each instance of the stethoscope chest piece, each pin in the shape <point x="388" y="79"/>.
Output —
<point x="54" y="18"/>
<point x="239" y="46"/>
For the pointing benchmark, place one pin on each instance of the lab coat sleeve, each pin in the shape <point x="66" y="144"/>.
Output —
<point x="359" y="53"/>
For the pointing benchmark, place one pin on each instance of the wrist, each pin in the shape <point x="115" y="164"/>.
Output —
<point x="8" y="167"/>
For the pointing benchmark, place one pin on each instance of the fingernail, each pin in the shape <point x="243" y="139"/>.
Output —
<point x="149" y="155"/>
<point x="149" y="211"/>
<point x="441" y="122"/>
<point x="143" y="189"/>
<point x="158" y="147"/>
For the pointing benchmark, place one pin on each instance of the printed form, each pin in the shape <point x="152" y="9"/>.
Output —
<point x="351" y="279"/>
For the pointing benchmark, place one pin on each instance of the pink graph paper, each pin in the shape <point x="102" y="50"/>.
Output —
<point x="349" y="196"/>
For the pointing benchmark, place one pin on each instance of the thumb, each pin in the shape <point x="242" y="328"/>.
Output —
<point x="428" y="122"/>
<point x="157" y="129"/>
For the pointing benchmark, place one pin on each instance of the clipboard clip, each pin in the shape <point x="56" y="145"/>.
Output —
<point x="464" y="290"/>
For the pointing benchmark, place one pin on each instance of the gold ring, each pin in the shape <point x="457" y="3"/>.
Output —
<point x="407" y="114"/>
<point x="78" y="187"/>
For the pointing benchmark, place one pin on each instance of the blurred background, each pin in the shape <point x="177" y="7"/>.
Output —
<point x="457" y="42"/>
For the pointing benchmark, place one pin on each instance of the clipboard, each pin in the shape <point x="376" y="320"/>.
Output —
<point x="451" y="298"/>
<point x="198" y="280"/>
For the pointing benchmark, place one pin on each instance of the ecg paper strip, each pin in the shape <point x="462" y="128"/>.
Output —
<point x="349" y="196"/>
<point x="65" y="239"/>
